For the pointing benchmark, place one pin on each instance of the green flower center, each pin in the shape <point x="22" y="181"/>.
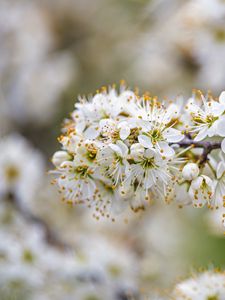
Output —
<point x="28" y="256"/>
<point x="148" y="163"/>
<point x="82" y="171"/>
<point x="155" y="135"/>
<point x="118" y="159"/>
<point x="209" y="120"/>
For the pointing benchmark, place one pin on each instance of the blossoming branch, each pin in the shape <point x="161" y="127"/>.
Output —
<point x="121" y="149"/>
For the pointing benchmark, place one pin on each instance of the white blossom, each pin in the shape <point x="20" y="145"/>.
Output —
<point x="21" y="169"/>
<point x="39" y="74"/>
<point x="76" y="181"/>
<point x="201" y="191"/>
<point x="208" y="285"/>
<point x="156" y="130"/>
<point x="216" y="221"/>
<point x="205" y="118"/>
<point x="148" y="170"/>
<point x="121" y="150"/>
<point x="112" y="160"/>
<point x="218" y="199"/>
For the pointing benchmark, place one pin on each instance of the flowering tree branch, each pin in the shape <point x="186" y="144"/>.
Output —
<point x="122" y="148"/>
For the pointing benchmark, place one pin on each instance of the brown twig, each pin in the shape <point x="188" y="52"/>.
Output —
<point x="207" y="146"/>
<point x="50" y="236"/>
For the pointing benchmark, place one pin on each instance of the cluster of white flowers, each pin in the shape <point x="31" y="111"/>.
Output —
<point x="21" y="169"/>
<point x="189" y="48"/>
<point x="208" y="285"/>
<point x="96" y="268"/>
<point x="32" y="73"/>
<point x="122" y="149"/>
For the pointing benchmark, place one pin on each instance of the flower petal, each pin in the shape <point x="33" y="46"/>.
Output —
<point x="221" y="127"/>
<point x="145" y="141"/>
<point x="216" y="108"/>
<point x="116" y="149"/>
<point x="223" y="145"/>
<point x="222" y="98"/>
<point x="202" y="134"/>
<point x="220" y="169"/>
<point x="165" y="149"/>
<point x="173" y="135"/>
<point x="123" y="147"/>
<point x="92" y="133"/>
<point x="124" y="132"/>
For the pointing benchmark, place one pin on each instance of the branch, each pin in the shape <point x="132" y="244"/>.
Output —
<point x="50" y="236"/>
<point x="207" y="146"/>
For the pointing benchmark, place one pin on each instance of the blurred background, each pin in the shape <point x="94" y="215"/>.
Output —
<point x="50" y="52"/>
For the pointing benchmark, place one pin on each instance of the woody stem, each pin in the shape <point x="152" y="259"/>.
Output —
<point x="207" y="146"/>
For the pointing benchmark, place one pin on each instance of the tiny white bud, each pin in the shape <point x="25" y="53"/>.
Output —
<point x="59" y="157"/>
<point x="190" y="171"/>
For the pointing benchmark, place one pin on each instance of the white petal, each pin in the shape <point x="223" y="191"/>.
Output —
<point x="223" y="145"/>
<point x="172" y="111"/>
<point x="221" y="127"/>
<point x="107" y="122"/>
<point x="145" y="141"/>
<point x="149" y="153"/>
<point x="123" y="147"/>
<point x="145" y="125"/>
<point x="196" y="183"/>
<point x="165" y="149"/>
<point x="80" y="126"/>
<point x="222" y="98"/>
<point x="213" y="129"/>
<point x="197" y="202"/>
<point x="127" y="96"/>
<point x="99" y="99"/>
<point x="192" y="107"/>
<point x="220" y="169"/>
<point x="124" y="132"/>
<point x="202" y="134"/>
<point x="216" y="108"/>
<point x="116" y="149"/>
<point x="67" y="165"/>
<point x="138" y="200"/>
<point x="173" y="135"/>
<point x="91" y="133"/>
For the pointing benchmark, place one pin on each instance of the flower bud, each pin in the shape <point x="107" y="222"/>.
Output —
<point x="59" y="157"/>
<point x="190" y="171"/>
